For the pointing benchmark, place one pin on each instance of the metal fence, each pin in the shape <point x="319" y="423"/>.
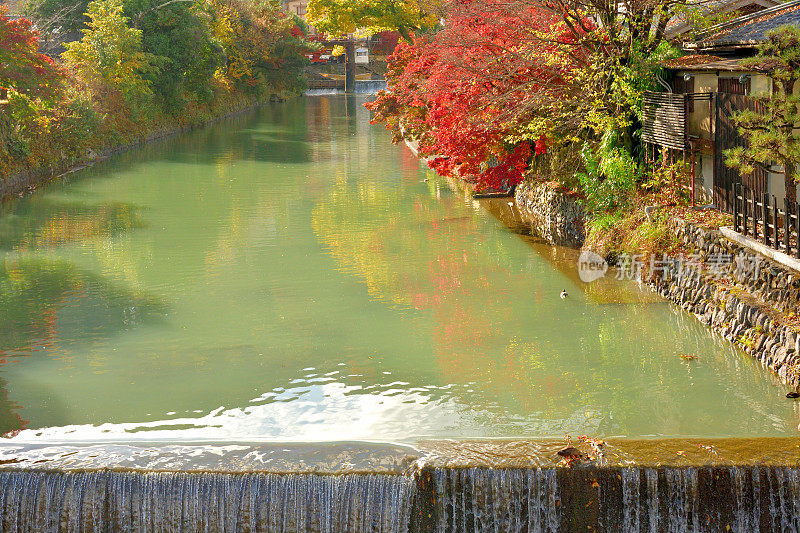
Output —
<point x="762" y="219"/>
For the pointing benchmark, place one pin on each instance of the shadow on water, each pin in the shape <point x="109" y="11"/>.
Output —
<point x="352" y="107"/>
<point x="35" y="293"/>
<point x="276" y="133"/>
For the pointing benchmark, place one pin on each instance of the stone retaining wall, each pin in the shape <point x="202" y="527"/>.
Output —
<point x="746" y="297"/>
<point x="554" y="216"/>
<point x="739" y="293"/>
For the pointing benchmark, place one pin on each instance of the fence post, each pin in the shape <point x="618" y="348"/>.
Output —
<point x="797" y="229"/>
<point x="787" y="225"/>
<point x="776" y="238"/>
<point x="765" y="217"/>
<point x="736" y="187"/>
<point x="745" y="229"/>
<point x="755" y="214"/>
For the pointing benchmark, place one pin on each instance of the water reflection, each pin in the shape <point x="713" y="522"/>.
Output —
<point x="47" y="222"/>
<point x="550" y="366"/>
<point x="291" y="275"/>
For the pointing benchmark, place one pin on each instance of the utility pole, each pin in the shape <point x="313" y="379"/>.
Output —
<point x="4" y="116"/>
<point x="350" y="66"/>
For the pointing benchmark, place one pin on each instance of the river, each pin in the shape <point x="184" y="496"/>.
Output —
<point x="290" y="275"/>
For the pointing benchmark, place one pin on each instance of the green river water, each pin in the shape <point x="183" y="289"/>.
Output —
<point x="291" y="275"/>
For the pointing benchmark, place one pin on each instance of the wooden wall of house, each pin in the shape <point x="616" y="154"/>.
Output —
<point x="699" y="124"/>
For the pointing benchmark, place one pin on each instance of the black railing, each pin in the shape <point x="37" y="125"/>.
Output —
<point x="761" y="219"/>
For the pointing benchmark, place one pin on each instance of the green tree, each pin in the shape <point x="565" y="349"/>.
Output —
<point x="56" y="20"/>
<point x="178" y="32"/>
<point x="263" y="46"/>
<point x="110" y="52"/>
<point x="771" y="129"/>
<point x="342" y="17"/>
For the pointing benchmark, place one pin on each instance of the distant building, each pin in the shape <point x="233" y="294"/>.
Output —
<point x="296" y="7"/>
<point x="362" y="56"/>
<point x="679" y="26"/>
<point x="14" y="9"/>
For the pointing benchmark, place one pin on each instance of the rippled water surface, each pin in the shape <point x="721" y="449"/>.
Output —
<point x="291" y="275"/>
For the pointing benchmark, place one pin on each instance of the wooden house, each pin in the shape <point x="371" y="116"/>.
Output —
<point x="705" y="88"/>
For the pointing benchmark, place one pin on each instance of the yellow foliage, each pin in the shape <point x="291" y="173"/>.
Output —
<point x="343" y="17"/>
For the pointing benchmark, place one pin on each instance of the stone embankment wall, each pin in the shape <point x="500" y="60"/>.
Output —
<point x="554" y="216"/>
<point x="744" y="296"/>
<point x="747" y="298"/>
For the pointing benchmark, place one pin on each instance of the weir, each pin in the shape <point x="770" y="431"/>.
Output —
<point x="385" y="489"/>
<point x="203" y="501"/>
<point x="718" y="498"/>
<point x="670" y="499"/>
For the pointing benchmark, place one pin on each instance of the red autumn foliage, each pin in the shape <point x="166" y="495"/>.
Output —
<point x="463" y="91"/>
<point x="22" y="67"/>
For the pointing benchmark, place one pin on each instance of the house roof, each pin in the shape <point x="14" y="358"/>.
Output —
<point x="679" y="24"/>
<point x="749" y="30"/>
<point x="704" y="62"/>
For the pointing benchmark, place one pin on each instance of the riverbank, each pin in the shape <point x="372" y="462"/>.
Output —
<point x="65" y="110"/>
<point x="27" y="180"/>
<point x="744" y="296"/>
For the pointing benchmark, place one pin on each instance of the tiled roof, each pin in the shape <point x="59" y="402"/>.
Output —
<point x="749" y="29"/>
<point x="679" y="23"/>
<point x="696" y="60"/>
<point x="709" y="62"/>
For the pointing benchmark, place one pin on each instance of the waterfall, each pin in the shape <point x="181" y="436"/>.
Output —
<point x="370" y="86"/>
<point x="431" y="499"/>
<point x="364" y="87"/>
<point x="481" y="499"/>
<point x="741" y="499"/>
<point x="165" y="501"/>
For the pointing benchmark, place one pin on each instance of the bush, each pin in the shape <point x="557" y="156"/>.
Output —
<point x="609" y="178"/>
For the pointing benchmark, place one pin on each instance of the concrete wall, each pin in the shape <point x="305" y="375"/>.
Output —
<point x="704" y="178"/>
<point x="554" y="216"/>
<point x="699" y="120"/>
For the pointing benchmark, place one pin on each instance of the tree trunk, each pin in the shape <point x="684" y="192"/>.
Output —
<point x="791" y="185"/>
<point x="404" y="33"/>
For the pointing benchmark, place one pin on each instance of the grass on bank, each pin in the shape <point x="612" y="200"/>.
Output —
<point x="619" y="197"/>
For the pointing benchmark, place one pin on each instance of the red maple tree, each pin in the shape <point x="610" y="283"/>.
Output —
<point x="463" y="92"/>
<point x="22" y="67"/>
